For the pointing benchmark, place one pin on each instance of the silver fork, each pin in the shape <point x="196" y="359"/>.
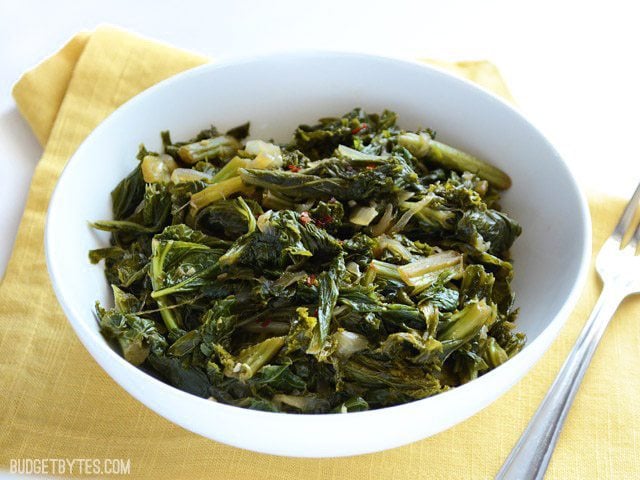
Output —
<point x="618" y="267"/>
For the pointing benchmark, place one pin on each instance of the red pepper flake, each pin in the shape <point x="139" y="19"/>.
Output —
<point x="305" y="218"/>
<point x="266" y="323"/>
<point x="371" y="166"/>
<point x="310" y="280"/>
<point x="315" y="313"/>
<point x="323" y="221"/>
<point x="357" y="130"/>
<point x="294" y="168"/>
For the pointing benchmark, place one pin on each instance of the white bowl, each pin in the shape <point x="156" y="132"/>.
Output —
<point x="276" y="93"/>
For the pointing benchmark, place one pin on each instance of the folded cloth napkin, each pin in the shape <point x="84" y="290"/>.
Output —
<point x="57" y="402"/>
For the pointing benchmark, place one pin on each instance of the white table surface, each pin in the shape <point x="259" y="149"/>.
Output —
<point x="572" y="66"/>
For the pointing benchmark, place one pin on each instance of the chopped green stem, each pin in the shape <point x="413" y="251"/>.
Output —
<point x="443" y="275"/>
<point x="495" y="353"/>
<point x="369" y="276"/>
<point x="412" y="272"/>
<point x="387" y="243"/>
<point x="442" y="218"/>
<point x="169" y="316"/>
<point x="363" y="215"/>
<point x="230" y="169"/>
<point x="458" y="160"/>
<point x="417" y="143"/>
<point x="421" y="145"/>
<point x="220" y="147"/>
<point x="123" y="226"/>
<point x="465" y="324"/>
<point x="357" y="155"/>
<point x="217" y="191"/>
<point x="386" y="270"/>
<point x="252" y="358"/>
<point x="251" y="227"/>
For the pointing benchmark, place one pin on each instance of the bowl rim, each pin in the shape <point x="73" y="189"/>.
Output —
<point x="115" y="365"/>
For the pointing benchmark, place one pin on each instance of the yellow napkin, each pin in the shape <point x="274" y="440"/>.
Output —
<point x="57" y="403"/>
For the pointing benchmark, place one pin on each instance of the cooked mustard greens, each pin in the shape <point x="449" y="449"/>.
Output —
<point x="356" y="267"/>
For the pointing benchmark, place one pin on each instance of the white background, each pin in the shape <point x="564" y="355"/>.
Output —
<point x="572" y="66"/>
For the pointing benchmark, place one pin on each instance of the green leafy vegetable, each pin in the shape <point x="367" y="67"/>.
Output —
<point x="128" y="194"/>
<point x="358" y="266"/>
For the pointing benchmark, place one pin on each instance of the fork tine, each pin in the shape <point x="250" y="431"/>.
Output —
<point x="627" y="216"/>
<point x="635" y="240"/>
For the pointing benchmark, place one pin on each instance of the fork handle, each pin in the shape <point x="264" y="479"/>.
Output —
<point x="530" y="457"/>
